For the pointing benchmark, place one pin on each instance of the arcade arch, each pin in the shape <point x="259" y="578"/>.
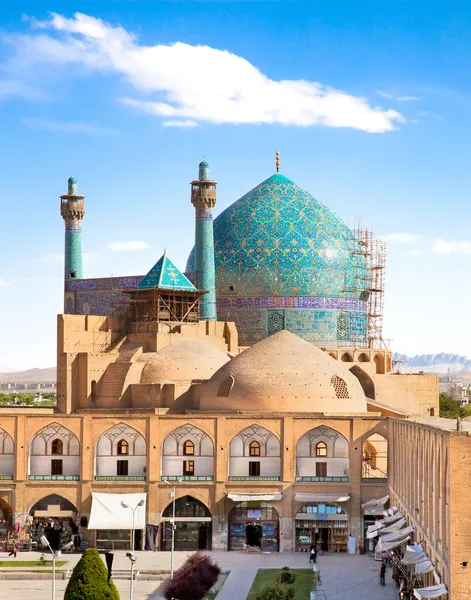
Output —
<point x="192" y="525"/>
<point x="120" y="455"/>
<point x="188" y="452"/>
<point x="375" y="457"/>
<point x="254" y="453"/>
<point x="6" y="455"/>
<point x="54" y="454"/>
<point x="322" y="453"/>
<point x="254" y="523"/>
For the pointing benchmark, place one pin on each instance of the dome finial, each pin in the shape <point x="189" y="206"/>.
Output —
<point x="72" y="185"/>
<point x="277" y="161"/>
<point x="203" y="170"/>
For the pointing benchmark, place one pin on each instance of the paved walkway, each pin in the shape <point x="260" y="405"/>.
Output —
<point x="344" y="577"/>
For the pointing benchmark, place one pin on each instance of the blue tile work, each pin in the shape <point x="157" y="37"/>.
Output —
<point x="100" y="296"/>
<point x="73" y="251"/>
<point x="278" y="247"/>
<point x="204" y="243"/>
<point x="165" y="275"/>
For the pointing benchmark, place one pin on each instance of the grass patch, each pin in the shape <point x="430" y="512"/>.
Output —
<point x="303" y="585"/>
<point x="30" y="563"/>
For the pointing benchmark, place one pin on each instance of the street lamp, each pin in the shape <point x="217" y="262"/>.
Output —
<point x="45" y="542"/>
<point x="172" y="495"/>
<point x="131" y="554"/>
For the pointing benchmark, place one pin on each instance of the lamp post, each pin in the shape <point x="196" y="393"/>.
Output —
<point x="172" y="495"/>
<point x="131" y="554"/>
<point x="45" y="542"/>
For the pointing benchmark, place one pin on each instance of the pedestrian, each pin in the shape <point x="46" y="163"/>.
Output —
<point x="14" y="548"/>
<point x="384" y="564"/>
<point x="312" y="554"/>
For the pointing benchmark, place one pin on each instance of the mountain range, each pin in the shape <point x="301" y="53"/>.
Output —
<point x="434" y="363"/>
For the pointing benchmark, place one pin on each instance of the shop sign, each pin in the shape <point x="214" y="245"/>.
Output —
<point x="254" y="513"/>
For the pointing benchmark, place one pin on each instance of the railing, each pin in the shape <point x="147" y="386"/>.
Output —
<point x="313" y="479"/>
<point x="374" y="480"/>
<point x="253" y="478"/>
<point x="54" y="477"/>
<point x="6" y="477"/>
<point x="119" y="478"/>
<point x="188" y="478"/>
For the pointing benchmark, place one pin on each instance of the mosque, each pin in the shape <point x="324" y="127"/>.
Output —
<point x="248" y="394"/>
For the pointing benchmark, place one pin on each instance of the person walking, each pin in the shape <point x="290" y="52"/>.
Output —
<point x="14" y="548"/>
<point x="312" y="554"/>
<point x="384" y="564"/>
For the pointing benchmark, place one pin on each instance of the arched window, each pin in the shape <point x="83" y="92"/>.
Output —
<point x="321" y="449"/>
<point x="375" y="457"/>
<point x="57" y="447"/>
<point x="123" y="447"/>
<point x="254" y="449"/>
<point x="188" y="448"/>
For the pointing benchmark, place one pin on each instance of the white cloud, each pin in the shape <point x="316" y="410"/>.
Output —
<point x="186" y="123"/>
<point x="10" y="88"/>
<point x="4" y="283"/>
<point x="55" y="258"/>
<point x="440" y="246"/>
<point x="401" y="237"/>
<point x="68" y="127"/>
<point x="416" y="253"/>
<point x="232" y="90"/>
<point x="127" y="246"/>
<point x="390" y="96"/>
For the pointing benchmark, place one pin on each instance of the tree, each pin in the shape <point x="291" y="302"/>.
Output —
<point x="449" y="407"/>
<point x="89" y="580"/>
<point x="193" y="580"/>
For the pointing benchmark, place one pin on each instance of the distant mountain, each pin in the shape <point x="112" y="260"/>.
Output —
<point x="434" y="363"/>
<point x="30" y="376"/>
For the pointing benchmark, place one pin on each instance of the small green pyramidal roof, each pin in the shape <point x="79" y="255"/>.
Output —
<point x="165" y="275"/>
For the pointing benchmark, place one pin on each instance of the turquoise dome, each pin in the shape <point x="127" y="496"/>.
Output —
<point x="278" y="240"/>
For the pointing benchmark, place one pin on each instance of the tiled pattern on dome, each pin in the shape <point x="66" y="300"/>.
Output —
<point x="320" y="327"/>
<point x="278" y="240"/>
<point x="292" y="302"/>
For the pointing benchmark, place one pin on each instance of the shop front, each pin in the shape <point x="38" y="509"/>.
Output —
<point x="54" y="517"/>
<point x="192" y="525"/>
<point x="254" y="524"/>
<point x="322" y="524"/>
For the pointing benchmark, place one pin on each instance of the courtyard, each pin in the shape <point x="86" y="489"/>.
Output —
<point x="344" y="577"/>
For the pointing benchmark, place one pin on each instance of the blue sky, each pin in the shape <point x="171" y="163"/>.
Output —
<point x="368" y="104"/>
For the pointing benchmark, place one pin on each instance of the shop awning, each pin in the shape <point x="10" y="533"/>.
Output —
<point x="270" y="497"/>
<point x="322" y="497"/>
<point x="373" y="530"/>
<point x="435" y="591"/>
<point x="414" y="554"/>
<point x="383" y="545"/>
<point x="393" y="518"/>
<point x="107" y="512"/>
<point x="394" y="527"/>
<point x="375" y="503"/>
<point x="424" y="567"/>
<point x="396" y="535"/>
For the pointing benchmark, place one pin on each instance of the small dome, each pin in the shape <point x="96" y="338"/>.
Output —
<point x="184" y="360"/>
<point x="72" y="180"/>
<point x="203" y="163"/>
<point x="287" y="374"/>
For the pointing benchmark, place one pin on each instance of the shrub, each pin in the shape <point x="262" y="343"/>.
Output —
<point x="287" y="576"/>
<point x="89" y="580"/>
<point x="193" y="580"/>
<point x="279" y="591"/>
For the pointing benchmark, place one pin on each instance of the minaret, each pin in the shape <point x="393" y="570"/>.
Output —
<point x="203" y="198"/>
<point x="73" y="211"/>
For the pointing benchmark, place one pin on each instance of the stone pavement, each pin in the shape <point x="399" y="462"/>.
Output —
<point x="344" y="577"/>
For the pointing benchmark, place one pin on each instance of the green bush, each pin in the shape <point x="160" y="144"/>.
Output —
<point x="89" y="580"/>
<point x="287" y="576"/>
<point x="279" y="591"/>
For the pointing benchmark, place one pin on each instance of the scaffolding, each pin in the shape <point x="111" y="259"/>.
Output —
<point x="368" y="279"/>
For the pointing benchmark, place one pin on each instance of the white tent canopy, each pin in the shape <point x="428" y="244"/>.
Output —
<point x="322" y="497"/>
<point x="107" y="512"/>
<point x="393" y="518"/>
<point x="383" y="545"/>
<point x="373" y="530"/>
<point x="435" y="591"/>
<point x="273" y="496"/>
<point x="424" y="567"/>
<point x="394" y="527"/>
<point x="396" y="535"/>
<point x="414" y="554"/>
<point x="375" y="506"/>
